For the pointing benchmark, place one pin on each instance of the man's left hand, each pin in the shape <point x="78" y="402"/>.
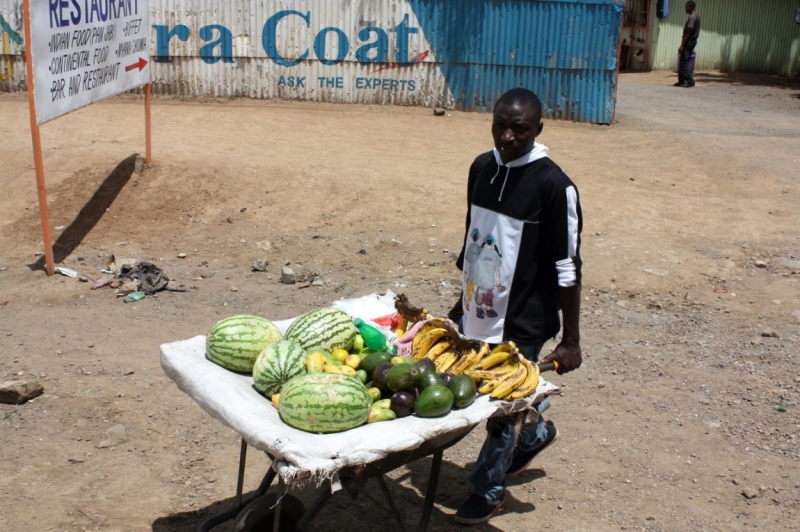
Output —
<point x="568" y="356"/>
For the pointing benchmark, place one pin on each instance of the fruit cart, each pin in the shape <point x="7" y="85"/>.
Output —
<point x="345" y="460"/>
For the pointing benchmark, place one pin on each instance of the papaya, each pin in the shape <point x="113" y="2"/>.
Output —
<point x="434" y="401"/>
<point x="464" y="390"/>
<point x="374" y="394"/>
<point x="383" y="403"/>
<point x="380" y="414"/>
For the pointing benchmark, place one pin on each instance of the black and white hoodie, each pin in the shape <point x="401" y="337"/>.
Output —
<point x="522" y="242"/>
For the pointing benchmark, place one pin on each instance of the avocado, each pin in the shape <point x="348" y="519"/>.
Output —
<point x="446" y="377"/>
<point x="402" y="403"/>
<point x="370" y="362"/>
<point x="402" y="377"/>
<point x="434" y="401"/>
<point x="464" y="390"/>
<point x="379" y="376"/>
<point x="426" y="364"/>
<point x="428" y="378"/>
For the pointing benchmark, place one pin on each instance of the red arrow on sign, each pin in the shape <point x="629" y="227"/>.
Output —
<point x="140" y="65"/>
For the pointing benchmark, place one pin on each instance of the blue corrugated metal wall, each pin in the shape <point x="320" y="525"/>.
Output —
<point x="564" y="50"/>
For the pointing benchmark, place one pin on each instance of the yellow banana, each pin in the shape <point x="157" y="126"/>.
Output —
<point x="510" y="383"/>
<point x="491" y="385"/>
<point x="492" y="374"/>
<point x="466" y="361"/>
<point x="493" y="360"/>
<point x="401" y="327"/>
<point x="479" y="356"/>
<point x="530" y="383"/>
<point x="499" y="355"/>
<point x="444" y="362"/>
<point x="437" y="350"/>
<point x="426" y="341"/>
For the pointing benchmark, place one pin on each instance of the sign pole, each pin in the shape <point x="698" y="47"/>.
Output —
<point x="38" y="161"/>
<point x="148" y="154"/>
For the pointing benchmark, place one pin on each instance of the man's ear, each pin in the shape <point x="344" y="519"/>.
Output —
<point x="539" y="129"/>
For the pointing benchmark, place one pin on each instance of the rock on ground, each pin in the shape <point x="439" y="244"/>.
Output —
<point x="19" y="392"/>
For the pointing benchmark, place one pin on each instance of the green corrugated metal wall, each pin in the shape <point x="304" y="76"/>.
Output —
<point x="735" y="35"/>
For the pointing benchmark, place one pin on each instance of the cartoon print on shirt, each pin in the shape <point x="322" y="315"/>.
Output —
<point x="471" y="260"/>
<point x="485" y="277"/>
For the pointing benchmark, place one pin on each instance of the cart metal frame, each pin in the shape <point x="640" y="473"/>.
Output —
<point x="354" y="479"/>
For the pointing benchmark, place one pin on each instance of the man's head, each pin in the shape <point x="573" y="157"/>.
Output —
<point x="691" y="5"/>
<point x="516" y="124"/>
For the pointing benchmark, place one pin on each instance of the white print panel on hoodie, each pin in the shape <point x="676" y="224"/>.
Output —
<point x="489" y="264"/>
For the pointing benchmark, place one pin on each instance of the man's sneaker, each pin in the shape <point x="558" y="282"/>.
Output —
<point x="476" y="510"/>
<point x="522" y="459"/>
<point x="679" y="84"/>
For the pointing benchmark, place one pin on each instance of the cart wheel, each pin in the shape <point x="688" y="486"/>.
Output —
<point x="259" y="515"/>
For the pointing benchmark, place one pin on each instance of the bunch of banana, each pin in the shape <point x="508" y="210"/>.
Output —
<point x="505" y="373"/>
<point x="446" y="347"/>
<point x="408" y="314"/>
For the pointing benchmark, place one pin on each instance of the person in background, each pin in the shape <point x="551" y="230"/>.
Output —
<point x="527" y="268"/>
<point x="688" y="43"/>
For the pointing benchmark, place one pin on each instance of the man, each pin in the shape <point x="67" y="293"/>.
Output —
<point x="530" y="208"/>
<point x="688" y="43"/>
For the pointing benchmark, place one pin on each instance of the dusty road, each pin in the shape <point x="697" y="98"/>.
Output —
<point x="691" y="254"/>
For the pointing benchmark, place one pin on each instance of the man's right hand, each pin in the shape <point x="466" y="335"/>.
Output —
<point x="457" y="311"/>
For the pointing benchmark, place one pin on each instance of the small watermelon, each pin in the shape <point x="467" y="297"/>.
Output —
<point x="324" y="403"/>
<point x="235" y="342"/>
<point x="324" y="328"/>
<point x="276" y="364"/>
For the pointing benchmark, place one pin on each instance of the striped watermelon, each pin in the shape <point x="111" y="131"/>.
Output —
<point x="324" y="402"/>
<point x="324" y="328"/>
<point x="276" y="364"/>
<point x="235" y="342"/>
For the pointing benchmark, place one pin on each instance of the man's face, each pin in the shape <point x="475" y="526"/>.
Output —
<point x="688" y="8"/>
<point x="514" y="129"/>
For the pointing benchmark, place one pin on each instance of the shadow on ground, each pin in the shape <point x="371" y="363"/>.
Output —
<point x="345" y="510"/>
<point x="91" y="213"/>
<point x="744" y="78"/>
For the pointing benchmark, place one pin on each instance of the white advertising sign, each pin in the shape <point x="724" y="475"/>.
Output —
<point x="86" y="50"/>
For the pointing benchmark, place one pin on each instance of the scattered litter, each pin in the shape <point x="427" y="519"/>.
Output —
<point x="148" y="277"/>
<point x="134" y="296"/>
<point x="60" y="227"/>
<point x="780" y="408"/>
<point x="66" y="272"/>
<point x="721" y="290"/>
<point x="107" y="270"/>
<point x="103" y="281"/>
<point x="5" y="303"/>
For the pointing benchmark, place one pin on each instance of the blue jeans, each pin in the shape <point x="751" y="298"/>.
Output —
<point x="488" y="477"/>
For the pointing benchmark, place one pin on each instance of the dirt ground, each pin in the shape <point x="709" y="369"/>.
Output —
<point x="691" y="259"/>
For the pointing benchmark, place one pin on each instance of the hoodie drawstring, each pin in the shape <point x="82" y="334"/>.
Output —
<point x="508" y="169"/>
<point x="495" y="175"/>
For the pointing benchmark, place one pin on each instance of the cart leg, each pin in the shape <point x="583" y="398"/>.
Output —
<point x="433" y="480"/>
<point x="390" y="501"/>
<point x="276" y="523"/>
<point x="312" y="512"/>
<point x="218" y="519"/>
<point x="242" y="463"/>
